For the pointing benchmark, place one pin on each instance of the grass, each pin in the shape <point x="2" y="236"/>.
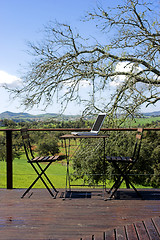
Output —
<point x="142" y="121"/>
<point x="24" y="175"/>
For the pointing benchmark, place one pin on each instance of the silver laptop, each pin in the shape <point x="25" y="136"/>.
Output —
<point x="96" y="126"/>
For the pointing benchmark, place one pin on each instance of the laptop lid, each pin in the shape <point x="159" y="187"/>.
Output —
<point x="98" y="123"/>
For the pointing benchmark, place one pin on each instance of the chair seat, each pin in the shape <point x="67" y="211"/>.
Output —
<point x="119" y="159"/>
<point x="45" y="159"/>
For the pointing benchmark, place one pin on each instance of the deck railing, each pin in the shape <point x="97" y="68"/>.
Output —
<point x="9" y="132"/>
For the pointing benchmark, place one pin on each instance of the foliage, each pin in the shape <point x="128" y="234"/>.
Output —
<point x="48" y="145"/>
<point x="2" y="148"/>
<point x="88" y="162"/>
<point x="8" y="123"/>
<point x="41" y="140"/>
<point x="16" y="146"/>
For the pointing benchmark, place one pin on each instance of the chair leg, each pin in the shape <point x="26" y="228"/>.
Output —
<point x="47" y="178"/>
<point x="115" y="188"/>
<point x="40" y="177"/>
<point x="114" y="185"/>
<point x="135" y="190"/>
<point x="126" y="178"/>
<point x="33" y="183"/>
<point x="127" y="184"/>
<point x="118" y="182"/>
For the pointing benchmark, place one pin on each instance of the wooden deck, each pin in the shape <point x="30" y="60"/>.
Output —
<point x="83" y="214"/>
<point x="149" y="229"/>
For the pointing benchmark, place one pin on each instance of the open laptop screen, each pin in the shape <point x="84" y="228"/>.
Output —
<point x="98" y="122"/>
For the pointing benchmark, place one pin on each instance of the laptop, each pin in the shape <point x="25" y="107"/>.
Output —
<point x="95" y="128"/>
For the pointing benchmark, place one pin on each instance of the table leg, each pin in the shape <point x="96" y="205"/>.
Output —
<point x="67" y="150"/>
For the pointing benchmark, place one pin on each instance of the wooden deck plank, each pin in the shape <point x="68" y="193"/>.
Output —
<point x="141" y="231"/>
<point x="42" y="217"/>
<point x="100" y="236"/>
<point x="130" y="232"/>
<point x="152" y="231"/>
<point x="120" y="233"/>
<point x="109" y="235"/>
<point x="156" y="221"/>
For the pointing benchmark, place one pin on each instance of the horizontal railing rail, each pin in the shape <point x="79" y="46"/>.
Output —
<point x="9" y="156"/>
<point x="79" y="129"/>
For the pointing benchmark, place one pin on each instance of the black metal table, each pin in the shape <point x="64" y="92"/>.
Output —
<point x="67" y="141"/>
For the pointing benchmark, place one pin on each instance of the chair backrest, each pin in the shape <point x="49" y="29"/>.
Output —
<point x="137" y="144"/>
<point x="27" y="144"/>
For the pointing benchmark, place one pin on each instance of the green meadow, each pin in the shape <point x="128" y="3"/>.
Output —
<point x="142" y="121"/>
<point x="24" y="175"/>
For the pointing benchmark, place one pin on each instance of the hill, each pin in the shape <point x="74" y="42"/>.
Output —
<point x="18" y="117"/>
<point x="152" y="114"/>
<point x="29" y="117"/>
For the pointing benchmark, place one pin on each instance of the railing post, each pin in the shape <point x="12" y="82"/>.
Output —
<point x="9" y="159"/>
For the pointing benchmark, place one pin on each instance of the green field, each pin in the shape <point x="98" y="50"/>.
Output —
<point x="24" y="175"/>
<point x="143" y="121"/>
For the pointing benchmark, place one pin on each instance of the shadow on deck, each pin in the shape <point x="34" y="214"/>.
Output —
<point x="124" y="194"/>
<point x="83" y="213"/>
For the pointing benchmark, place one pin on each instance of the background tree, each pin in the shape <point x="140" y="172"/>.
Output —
<point x="127" y="57"/>
<point x="88" y="160"/>
<point x="2" y="147"/>
<point x="47" y="147"/>
<point x="16" y="146"/>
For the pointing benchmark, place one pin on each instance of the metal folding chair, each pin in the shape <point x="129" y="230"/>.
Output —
<point x="36" y="164"/>
<point x="124" y="165"/>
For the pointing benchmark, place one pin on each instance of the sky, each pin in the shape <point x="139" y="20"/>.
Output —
<point x="22" y="21"/>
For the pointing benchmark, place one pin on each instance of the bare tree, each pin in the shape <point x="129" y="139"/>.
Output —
<point x="65" y="60"/>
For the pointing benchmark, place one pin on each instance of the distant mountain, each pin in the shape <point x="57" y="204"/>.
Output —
<point x="152" y="114"/>
<point x="26" y="116"/>
<point x="17" y="117"/>
<point x="10" y="115"/>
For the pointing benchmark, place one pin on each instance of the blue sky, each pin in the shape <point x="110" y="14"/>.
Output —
<point x="22" y="21"/>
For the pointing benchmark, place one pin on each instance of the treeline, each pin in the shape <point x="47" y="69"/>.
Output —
<point x="39" y="139"/>
<point x="79" y="123"/>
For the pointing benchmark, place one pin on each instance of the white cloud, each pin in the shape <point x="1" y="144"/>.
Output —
<point x="82" y="83"/>
<point x="123" y="67"/>
<point x="8" y="79"/>
<point x="85" y="83"/>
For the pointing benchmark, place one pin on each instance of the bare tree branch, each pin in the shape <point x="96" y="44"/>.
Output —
<point x="64" y="60"/>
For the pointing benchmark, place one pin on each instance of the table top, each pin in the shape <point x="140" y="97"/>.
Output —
<point x="83" y="136"/>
